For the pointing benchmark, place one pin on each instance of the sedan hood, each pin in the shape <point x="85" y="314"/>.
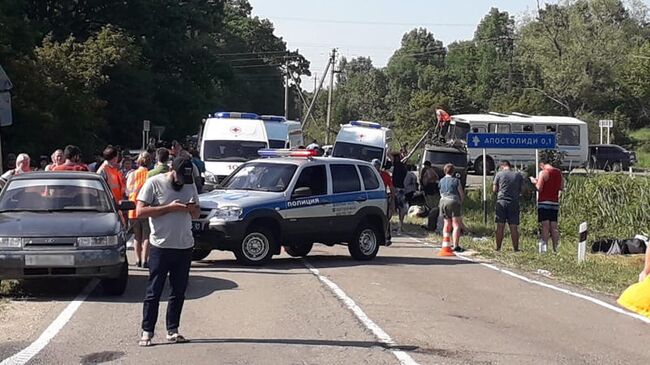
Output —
<point x="70" y="224"/>
<point x="241" y="198"/>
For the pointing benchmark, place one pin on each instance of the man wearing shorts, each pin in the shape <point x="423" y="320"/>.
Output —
<point x="451" y="201"/>
<point x="549" y="184"/>
<point x="141" y="231"/>
<point x="507" y="185"/>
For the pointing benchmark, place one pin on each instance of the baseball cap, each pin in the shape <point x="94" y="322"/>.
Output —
<point x="184" y="169"/>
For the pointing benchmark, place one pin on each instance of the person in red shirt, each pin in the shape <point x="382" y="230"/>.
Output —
<point x="549" y="184"/>
<point x="72" y="162"/>
<point x="390" y="188"/>
<point x="110" y="171"/>
<point x="443" y="121"/>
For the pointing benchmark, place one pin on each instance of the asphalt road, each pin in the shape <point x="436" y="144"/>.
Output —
<point x="419" y="308"/>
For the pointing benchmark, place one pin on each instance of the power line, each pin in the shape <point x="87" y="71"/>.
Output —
<point x="366" y="22"/>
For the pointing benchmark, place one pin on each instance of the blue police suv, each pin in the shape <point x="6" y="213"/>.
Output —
<point x="294" y="199"/>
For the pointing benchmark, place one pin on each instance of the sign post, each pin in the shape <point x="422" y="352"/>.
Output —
<point x="582" y="245"/>
<point x="530" y="141"/>
<point x="146" y="127"/>
<point x="605" y="123"/>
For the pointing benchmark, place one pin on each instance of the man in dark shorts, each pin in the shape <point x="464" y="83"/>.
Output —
<point x="507" y="185"/>
<point x="549" y="184"/>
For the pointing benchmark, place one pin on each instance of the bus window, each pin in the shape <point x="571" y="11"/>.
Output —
<point x="545" y="128"/>
<point x="568" y="135"/>
<point x="499" y="128"/>
<point x="478" y="130"/>
<point x="522" y="128"/>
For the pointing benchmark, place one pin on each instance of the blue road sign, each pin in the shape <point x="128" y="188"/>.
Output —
<point x="535" y="141"/>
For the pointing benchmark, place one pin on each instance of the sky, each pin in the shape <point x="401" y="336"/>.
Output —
<point x="374" y="28"/>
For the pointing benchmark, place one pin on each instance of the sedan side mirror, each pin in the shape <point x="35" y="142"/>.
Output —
<point x="125" y="205"/>
<point x="301" y="192"/>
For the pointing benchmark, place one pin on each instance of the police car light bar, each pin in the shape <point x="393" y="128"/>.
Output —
<point x="273" y="118"/>
<point x="269" y="152"/>
<point x="234" y="115"/>
<point x="363" y="123"/>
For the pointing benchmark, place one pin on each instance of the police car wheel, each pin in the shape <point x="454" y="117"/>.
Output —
<point x="256" y="247"/>
<point x="365" y="244"/>
<point x="299" y="250"/>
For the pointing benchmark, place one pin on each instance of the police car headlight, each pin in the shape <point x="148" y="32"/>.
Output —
<point x="226" y="214"/>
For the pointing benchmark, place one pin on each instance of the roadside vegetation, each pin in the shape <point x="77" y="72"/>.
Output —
<point x="641" y="145"/>
<point x="614" y="206"/>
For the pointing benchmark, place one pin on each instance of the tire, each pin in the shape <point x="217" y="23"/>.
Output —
<point x="364" y="245"/>
<point x="199" y="254"/>
<point x="299" y="250"/>
<point x="256" y="248"/>
<point x="117" y="286"/>
<point x="478" y="165"/>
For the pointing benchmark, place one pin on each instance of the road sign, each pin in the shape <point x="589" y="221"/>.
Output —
<point x="146" y="126"/>
<point x="606" y="123"/>
<point x="534" y="141"/>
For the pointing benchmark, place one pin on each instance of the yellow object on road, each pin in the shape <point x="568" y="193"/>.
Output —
<point x="637" y="298"/>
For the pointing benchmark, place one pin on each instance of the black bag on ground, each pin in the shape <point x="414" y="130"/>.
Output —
<point x="633" y="246"/>
<point x="612" y="246"/>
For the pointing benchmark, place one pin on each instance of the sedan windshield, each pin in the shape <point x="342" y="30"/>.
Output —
<point x="55" y="195"/>
<point x="357" y="151"/>
<point x="261" y="176"/>
<point x="235" y="151"/>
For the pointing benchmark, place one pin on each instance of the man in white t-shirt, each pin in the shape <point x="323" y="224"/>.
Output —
<point x="170" y="201"/>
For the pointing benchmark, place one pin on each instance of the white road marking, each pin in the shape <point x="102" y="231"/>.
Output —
<point x="52" y="330"/>
<point x="549" y="286"/>
<point x="380" y="334"/>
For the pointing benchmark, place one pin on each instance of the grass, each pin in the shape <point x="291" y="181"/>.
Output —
<point x="605" y="202"/>
<point x="641" y="140"/>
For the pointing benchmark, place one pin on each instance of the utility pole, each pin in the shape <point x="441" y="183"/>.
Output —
<point x="329" y="98"/>
<point x="286" y="86"/>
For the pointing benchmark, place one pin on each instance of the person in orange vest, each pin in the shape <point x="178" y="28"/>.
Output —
<point x="110" y="171"/>
<point x="141" y="230"/>
<point x="443" y="121"/>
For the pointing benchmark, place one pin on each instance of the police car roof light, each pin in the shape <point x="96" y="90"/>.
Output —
<point x="273" y="118"/>
<point x="235" y="115"/>
<point x="363" y="123"/>
<point x="269" y="152"/>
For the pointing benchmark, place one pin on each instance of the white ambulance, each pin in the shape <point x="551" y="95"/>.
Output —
<point x="295" y="134"/>
<point x="229" y="139"/>
<point x="362" y="140"/>
<point x="277" y="131"/>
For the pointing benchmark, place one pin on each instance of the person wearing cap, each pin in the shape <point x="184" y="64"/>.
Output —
<point x="170" y="202"/>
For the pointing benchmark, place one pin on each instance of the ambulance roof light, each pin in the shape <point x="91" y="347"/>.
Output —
<point x="236" y="115"/>
<point x="273" y="118"/>
<point x="363" y="123"/>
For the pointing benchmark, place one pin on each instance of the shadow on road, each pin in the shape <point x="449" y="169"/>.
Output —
<point x="198" y="287"/>
<point x="66" y="289"/>
<point x="299" y="342"/>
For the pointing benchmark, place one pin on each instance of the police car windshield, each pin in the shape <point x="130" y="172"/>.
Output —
<point x="357" y="151"/>
<point x="261" y="176"/>
<point x="236" y="151"/>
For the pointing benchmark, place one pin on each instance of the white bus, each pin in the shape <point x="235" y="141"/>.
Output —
<point x="572" y="138"/>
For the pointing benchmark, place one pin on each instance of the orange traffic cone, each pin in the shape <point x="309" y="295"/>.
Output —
<point x="446" y="251"/>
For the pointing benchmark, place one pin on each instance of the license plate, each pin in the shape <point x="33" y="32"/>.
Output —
<point x="197" y="227"/>
<point x="49" y="260"/>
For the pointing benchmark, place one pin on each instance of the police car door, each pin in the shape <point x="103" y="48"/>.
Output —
<point x="309" y="207"/>
<point x="348" y="198"/>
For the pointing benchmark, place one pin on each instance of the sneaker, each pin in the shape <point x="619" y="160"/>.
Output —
<point x="145" y="339"/>
<point x="459" y="249"/>
<point x="145" y="265"/>
<point x="175" y="337"/>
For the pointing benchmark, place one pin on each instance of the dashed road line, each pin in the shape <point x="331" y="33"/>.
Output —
<point x="548" y="286"/>
<point x="380" y="334"/>
<point x="52" y="330"/>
